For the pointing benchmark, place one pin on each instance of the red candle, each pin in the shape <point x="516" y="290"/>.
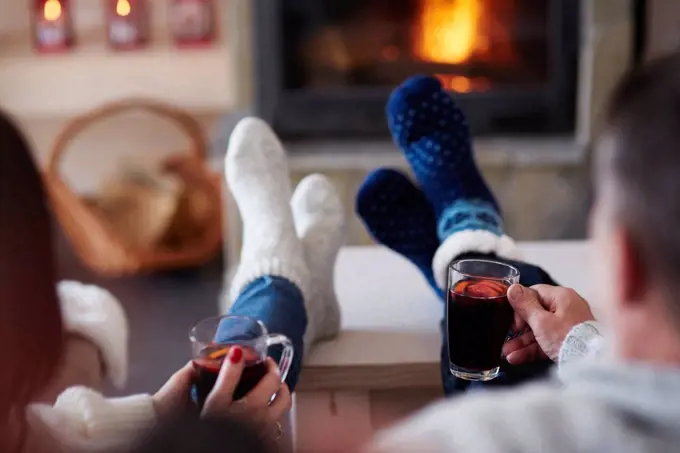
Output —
<point x="192" y="22"/>
<point x="52" y="26"/>
<point x="128" y="24"/>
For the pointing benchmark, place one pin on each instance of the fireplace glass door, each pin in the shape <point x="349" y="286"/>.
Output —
<point x="326" y="67"/>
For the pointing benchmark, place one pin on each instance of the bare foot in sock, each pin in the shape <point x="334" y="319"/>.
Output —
<point x="320" y="223"/>
<point x="257" y="175"/>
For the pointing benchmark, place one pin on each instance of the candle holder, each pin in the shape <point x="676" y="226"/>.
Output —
<point x="52" y="26"/>
<point x="192" y="22"/>
<point x="128" y="24"/>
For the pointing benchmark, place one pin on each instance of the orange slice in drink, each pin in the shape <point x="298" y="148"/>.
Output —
<point x="219" y="354"/>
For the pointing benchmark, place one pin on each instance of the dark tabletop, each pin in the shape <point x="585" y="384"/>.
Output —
<point x="160" y="310"/>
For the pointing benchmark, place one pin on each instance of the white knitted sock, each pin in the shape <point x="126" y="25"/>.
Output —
<point x="320" y="223"/>
<point x="95" y="314"/>
<point x="257" y="175"/>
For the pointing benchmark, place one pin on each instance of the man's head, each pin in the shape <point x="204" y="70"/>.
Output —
<point x="636" y="219"/>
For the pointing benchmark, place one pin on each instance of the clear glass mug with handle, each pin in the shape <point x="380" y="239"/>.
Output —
<point x="211" y="340"/>
<point x="478" y="316"/>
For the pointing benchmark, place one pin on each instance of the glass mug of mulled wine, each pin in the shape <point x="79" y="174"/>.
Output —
<point x="211" y="341"/>
<point x="478" y="316"/>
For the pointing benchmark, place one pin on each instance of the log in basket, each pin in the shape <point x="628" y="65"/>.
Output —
<point x="100" y="246"/>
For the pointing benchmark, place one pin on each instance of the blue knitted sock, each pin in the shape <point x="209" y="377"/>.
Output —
<point x="397" y="215"/>
<point x="433" y="133"/>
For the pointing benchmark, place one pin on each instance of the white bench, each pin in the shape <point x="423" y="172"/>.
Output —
<point x="389" y="346"/>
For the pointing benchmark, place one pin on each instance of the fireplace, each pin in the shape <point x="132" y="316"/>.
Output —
<point x="325" y="68"/>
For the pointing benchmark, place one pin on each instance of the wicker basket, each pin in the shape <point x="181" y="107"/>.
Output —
<point x="91" y="235"/>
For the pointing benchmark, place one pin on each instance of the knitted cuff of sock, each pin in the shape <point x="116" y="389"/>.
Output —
<point x="248" y="272"/>
<point x="95" y="314"/>
<point x="583" y="341"/>
<point x="480" y="241"/>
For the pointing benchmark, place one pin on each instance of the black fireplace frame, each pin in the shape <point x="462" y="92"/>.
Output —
<point x="359" y="114"/>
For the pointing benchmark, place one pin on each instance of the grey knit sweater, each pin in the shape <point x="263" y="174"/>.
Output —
<point x="591" y="405"/>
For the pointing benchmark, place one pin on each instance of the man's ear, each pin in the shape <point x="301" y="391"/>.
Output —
<point x="631" y="271"/>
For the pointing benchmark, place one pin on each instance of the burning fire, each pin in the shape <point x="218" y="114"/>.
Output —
<point x="462" y="84"/>
<point x="52" y="10"/>
<point x="447" y="31"/>
<point x="123" y="8"/>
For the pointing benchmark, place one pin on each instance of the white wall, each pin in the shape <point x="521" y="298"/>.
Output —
<point x="44" y="91"/>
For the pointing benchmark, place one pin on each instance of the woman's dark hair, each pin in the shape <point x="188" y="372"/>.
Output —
<point x="190" y="434"/>
<point x="31" y="335"/>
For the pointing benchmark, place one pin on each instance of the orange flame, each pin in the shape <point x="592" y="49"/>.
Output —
<point x="462" y="84"/>
<point x="447" y="30"/>
<point x="52" y="10"/>
<point x="123" y="8"/>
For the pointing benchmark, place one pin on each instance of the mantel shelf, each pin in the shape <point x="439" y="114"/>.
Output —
<point x="55" y="86"/>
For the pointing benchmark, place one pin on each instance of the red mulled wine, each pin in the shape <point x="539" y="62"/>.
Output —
<point x="208" y="368"/>
<point x="478" y="320"/>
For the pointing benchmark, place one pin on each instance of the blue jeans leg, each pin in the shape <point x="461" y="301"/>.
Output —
<point x="510" y="375"/>
<point x="279" y="304"/>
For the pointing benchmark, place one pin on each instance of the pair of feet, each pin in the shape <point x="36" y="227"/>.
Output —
<point x="452" y="211"/>
<point x="294" y="235"/>
<point x="297" y="236"/>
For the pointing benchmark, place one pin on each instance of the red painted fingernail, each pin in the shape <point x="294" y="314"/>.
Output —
<point x="235" y="354"/>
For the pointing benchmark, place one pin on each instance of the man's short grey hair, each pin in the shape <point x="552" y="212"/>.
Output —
<point x="639" y="155"/>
